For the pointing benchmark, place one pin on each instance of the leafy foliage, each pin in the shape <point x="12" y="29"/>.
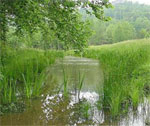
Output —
<point x="58" y="19"/>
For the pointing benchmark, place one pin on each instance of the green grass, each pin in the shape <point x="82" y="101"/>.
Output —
<point x="65" y="84"/>
<point x="24" y="72"/>
<point x="80" y="84"/>
<point x="126" y="73"/>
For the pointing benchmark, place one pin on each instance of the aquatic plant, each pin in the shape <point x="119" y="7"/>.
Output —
<point x="7" y="91"/>
<point x="65" y="84"/>
<point x="80" y="84"/>
<point x="123" y="82"/>
<point x="24" y="72"/>
<point x="84" y="109"/>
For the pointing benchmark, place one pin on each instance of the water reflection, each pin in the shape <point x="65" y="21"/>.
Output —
<point x="73" y="66"/>
<point x="53" y="109"/>
<point x="58" y="110"/>
<point x="139" y="118"/>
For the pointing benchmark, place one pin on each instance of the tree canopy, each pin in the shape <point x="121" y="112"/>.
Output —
<point x="59" y="17"/>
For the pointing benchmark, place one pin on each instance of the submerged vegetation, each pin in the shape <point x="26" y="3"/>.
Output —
<point x="126" y="73"/>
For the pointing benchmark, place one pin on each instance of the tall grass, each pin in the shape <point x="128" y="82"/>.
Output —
<point x="123" y="82"/>
<point x="7" y="91"/>
<point x="80" y="84"/>
<point x="24" y="71"/>
<point x="65" y="84"/>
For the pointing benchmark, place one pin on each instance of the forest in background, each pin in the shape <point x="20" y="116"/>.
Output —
<point x="129" y="21"/>
<point x="48" y="24"/>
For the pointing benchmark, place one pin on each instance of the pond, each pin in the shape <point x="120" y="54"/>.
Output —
<point x="74" y="89"/>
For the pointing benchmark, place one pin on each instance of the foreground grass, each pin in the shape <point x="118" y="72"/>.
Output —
<point x="126" y="69"/>
<point x="23" y="73"/>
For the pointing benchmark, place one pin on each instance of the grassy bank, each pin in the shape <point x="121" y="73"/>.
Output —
<point x="126" y="68"/>
<point x="23" y="72"/>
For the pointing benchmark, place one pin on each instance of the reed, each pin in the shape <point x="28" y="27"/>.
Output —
<point x="65" y="83"/>
<point x="7" y="91"/>
<point x="124" y="81"/>
<point x="80" y="84"/>
<point x="25" y="69"/>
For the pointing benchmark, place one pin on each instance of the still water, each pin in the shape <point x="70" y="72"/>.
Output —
<point x="81" y="106"/>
